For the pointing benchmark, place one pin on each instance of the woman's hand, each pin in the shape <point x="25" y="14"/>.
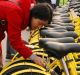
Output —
<point x="38" y="60"/>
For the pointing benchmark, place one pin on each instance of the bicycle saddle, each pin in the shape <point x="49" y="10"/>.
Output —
<point x="58" y="17"/>
<point x="55" y="28"/>
<point x="56" y="13"/>
<point x="76" y="10"/>
<point x="74" y="3"/>
<point x="59" y="13"/>
<point x="58" y="34"/>
<point x="68" y="28"/>
<point x="62" y="40"/>
<point x="59" y="50"/>
<point x="61" y="10"/>
<point x="75" y="6"/>
<point x="64" y="15"/>
<point x="64" y="24"/>
<point x="58" y="25"/>
<point x="53" y="25"/>
<point x="62" y="20"/>
<point x="52" y="30"/>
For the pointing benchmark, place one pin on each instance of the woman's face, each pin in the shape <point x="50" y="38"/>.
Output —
<point x="37" y="23"/>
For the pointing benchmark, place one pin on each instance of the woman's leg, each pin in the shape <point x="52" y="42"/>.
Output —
<point x="10" y="51"/>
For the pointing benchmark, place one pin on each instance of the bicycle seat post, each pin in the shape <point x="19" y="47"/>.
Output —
<point x="65" y="66"/>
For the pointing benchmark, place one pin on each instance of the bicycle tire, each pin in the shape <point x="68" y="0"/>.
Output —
<point x="30" y="72"/>
<point x="20" y="66"/>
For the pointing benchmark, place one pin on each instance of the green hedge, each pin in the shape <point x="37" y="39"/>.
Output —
<point x="63" y="2"/>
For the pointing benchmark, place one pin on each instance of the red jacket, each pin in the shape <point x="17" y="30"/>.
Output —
<point x="18" y="18"/>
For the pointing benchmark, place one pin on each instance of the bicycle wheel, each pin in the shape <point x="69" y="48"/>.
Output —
<point x="31" y="72"/>
<point x="21" y="66"/>
<point x="21" y="59"/>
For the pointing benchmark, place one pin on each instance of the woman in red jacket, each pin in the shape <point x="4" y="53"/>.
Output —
<point x="16" y="17"/>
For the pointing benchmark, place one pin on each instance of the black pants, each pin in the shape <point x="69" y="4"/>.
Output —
<point x="10" y="51"/>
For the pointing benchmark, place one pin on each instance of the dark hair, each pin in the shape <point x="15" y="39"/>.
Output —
<point x="42" y="11"/>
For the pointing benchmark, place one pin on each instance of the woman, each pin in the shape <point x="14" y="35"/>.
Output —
<point x="16" y="17"/>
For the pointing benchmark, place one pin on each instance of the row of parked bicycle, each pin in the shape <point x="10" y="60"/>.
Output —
<point x="57" y="43"/>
